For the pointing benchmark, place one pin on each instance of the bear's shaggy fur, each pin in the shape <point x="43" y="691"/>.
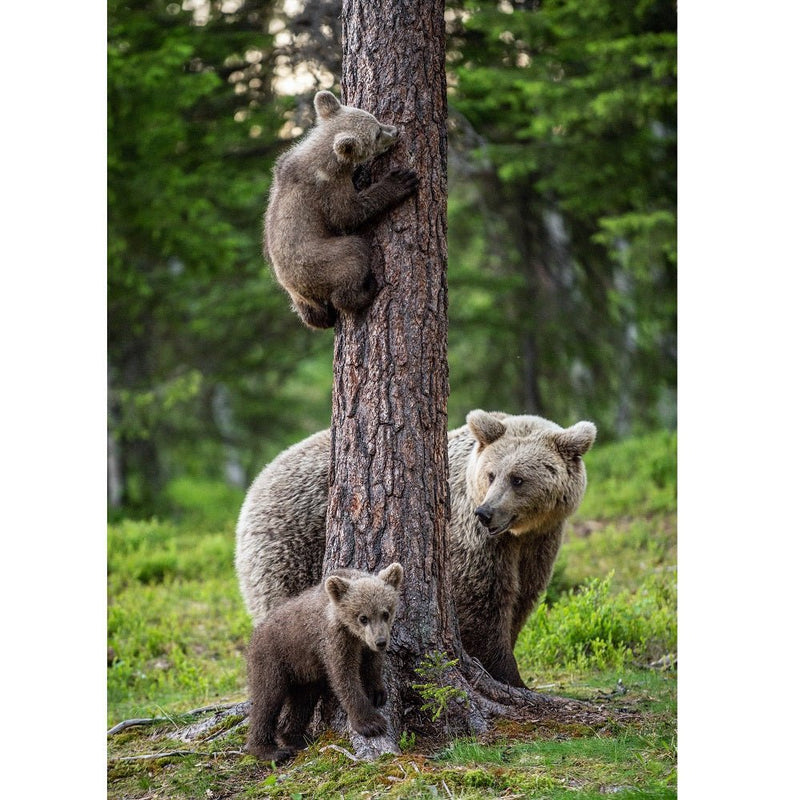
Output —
<point x="314" y="209"/>
<point x="514" y="480"/>
<point x="331" y="637"/>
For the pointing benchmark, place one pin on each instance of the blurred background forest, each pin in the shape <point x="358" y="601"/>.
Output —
<point x="562" y="226"/>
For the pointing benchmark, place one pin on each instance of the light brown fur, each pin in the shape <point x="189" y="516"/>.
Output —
<point x="330" y="638"/>
<point x="314" y="211"/>
<point x="513" y="485"/>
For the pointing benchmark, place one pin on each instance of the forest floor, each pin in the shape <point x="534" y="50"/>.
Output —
<point x="606" y="633"/>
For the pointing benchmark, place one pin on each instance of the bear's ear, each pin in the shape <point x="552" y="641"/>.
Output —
<point x="336" y="587"/>
<point x="575" y="441"/>
<point x="325" y="104"/>
<point x="484" y="427"/>
<point x="393" y="575"/>
<point x="347" y="148"/>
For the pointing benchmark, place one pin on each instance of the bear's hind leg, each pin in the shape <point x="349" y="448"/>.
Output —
<point x="268" y="696"/>
<point x="504" y="668"/>
<point x="317" y="315"/>
<point x="314" y="316"/>
<point x="297" y="713"/>
<point x="353" y="285"/>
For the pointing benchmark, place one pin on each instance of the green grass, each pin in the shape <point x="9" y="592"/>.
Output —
<point x="634" y="478"/>
<point x="176" y="624"/>
<point x="177" y="631"/>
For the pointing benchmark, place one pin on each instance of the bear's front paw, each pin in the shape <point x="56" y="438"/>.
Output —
<point x="403" y="181"/>
<point x="374" y="725"/>
<point x="379" y="696"/>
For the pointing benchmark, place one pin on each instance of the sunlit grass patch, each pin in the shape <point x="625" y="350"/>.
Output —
<point x="586" y="765"/>
<point x="630" y="548"/>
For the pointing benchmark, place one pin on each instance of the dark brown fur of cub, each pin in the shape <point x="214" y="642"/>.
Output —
<point x="314" y="211"/>
<point x="330" y="638"/>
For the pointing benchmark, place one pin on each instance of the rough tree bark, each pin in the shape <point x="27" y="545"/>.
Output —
<point x="388" y="477"/>
<point x="388" y="480"/>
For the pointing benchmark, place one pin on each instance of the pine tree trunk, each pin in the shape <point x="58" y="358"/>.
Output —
<point x="389" y="495"/>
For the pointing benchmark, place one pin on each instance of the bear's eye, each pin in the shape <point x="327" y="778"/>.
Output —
<point x="363" y="619"/>
<point x="516" y="481"/>
<point x="385" y="616"/>
<point x="490" y="476"/>
<point x="377" y="134"/>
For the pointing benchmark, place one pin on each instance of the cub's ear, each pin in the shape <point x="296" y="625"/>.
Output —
<point x="336" y="587"/>
<point x="347" y="148"/>
<point x="393" y="575"/>
<point x="575" y="441"/>
<point x="325" y="104"/>
<point x="484" y="427"/>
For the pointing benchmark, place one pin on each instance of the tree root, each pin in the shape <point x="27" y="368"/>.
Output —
<point x="196" y="730"/>
<point x="501" y="700"/>
<point x="201" y="730"/>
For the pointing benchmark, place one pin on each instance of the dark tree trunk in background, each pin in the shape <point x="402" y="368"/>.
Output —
<point x="388" y="478"/>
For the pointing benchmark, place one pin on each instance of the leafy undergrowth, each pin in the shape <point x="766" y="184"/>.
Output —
<point x="606" y="633"/>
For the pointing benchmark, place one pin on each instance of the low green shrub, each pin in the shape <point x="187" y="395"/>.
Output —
<point x="595" y="628"/>
<point x="633" y="477"/>
<point x="435" y="690"/>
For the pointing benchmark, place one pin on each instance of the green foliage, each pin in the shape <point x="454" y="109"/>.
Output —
<point x="436" y="691"/>
<point x="407" y="741"/>
<point x="209" y="503"/>
<point x="623" y="547"/>
<point x="176" y="624"/>
<point x="636" y="476"/>
<point x="198" y="343"/>
<point x="565" y="115"/>
<point x="151" y="552"/>
<point x="596" y="629"/>
<point x="594" y="765"/>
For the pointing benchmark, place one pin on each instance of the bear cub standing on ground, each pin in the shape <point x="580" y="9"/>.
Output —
<point x="331" y="637"/>
<point x="314" y="208"/>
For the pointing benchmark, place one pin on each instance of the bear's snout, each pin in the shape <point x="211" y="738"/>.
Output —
<point x="496" y="521"/>
<point x="484" y="514"/>
<point x="381" y="643"/>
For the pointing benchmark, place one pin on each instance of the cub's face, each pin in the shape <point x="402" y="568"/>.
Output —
<point x="356" y="136"/>
<point x="367" y="605"/>
<point x="525" y="473"/>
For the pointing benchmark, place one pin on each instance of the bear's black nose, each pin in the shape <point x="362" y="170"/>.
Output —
<point x="380" y="644"/>
<point x="484" y="514"/>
